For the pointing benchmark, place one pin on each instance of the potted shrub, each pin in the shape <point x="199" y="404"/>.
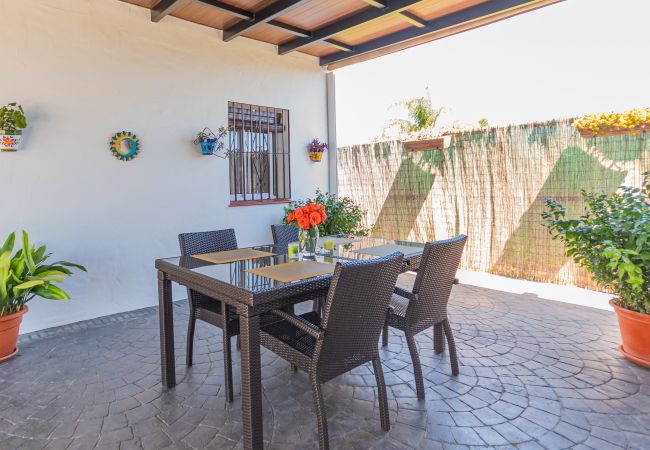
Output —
<point x="316" y="150"/>
<point x="612" y="241"/>
<point x="23" y="276"/>
<point x="12" y="122"/>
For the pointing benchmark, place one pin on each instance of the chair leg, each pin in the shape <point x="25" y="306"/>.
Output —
<point x="438" y="339"/>
<point x="294" y="367"/>
<point x="321" y="417"/>
<point x="191" y="325"/>
<point x="417" y="368"/>
<point x="227" y="356"/>
<point x="452" y="347"/>
<point x="384" y="335"/>
<point x="383" y="398"/>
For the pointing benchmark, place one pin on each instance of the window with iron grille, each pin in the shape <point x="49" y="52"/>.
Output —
<point x="259" y="159"/>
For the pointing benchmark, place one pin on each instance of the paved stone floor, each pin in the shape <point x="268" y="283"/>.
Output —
<point x="534" y="374"/>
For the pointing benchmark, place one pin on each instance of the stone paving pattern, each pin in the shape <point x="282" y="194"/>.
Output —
<point x="535" y="374"/>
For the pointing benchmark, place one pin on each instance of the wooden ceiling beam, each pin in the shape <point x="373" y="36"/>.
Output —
<point x="163" y="8"/>
<point x="340" y="45"/>
<point x="227" y="8"/>
<point x="413" y="19"/>
<point x="346" y="23"/>
<point x="263" y="16"/>
<point x="479" y="11"/>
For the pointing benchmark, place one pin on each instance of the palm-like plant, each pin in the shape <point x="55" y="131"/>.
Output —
<point x="422" y="116"/>
<point x="25" y="275"/>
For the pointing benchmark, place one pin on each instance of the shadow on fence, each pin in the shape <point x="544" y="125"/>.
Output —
<point x="491" y="185"/>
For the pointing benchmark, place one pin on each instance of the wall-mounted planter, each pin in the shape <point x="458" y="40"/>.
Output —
<point x="316" y="156"/>
<point x="613" y="131"/>
<point x="316" y="149"/>
<point x="421" y="145"/>
<point x="208" y="146"/>
<point x="10" y="140"/>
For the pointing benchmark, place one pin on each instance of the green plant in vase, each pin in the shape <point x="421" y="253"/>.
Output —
<point x="12" y="122"/>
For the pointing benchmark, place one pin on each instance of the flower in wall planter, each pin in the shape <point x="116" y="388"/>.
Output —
<point x="612" y="241"/>
<point x="23" y="276"/>
<point x="212" y="144"/>
<point x="316" y="150"/>
<point x="634" y="121"/>
<point x="12" y="122"/>
<point x="307" y="218"/>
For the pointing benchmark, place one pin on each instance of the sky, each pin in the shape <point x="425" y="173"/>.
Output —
<point x="564" y="60"/>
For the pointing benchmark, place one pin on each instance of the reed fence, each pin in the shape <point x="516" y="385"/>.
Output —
<point x="491" y="184"/>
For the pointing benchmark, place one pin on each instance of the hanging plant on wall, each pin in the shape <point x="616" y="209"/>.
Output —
<point x="316" y="150"/>
<point x="212" y="144"/>
<point x="12" y="122"/>
<point x="125" y="145"/>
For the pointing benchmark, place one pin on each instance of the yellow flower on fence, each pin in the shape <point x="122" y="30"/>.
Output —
<point x="602" y="123"/>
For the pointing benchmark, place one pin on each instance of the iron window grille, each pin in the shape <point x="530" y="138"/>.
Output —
<point x="259" y="153"/>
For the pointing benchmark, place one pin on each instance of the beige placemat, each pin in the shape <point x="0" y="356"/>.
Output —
<point x="387" y="249"/>
<point x="294" y="271"/>
<point x="232" y="255"/>
<point x="338" y="240"/>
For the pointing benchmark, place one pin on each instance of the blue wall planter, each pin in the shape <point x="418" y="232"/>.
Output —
<point x="208" y="146"/>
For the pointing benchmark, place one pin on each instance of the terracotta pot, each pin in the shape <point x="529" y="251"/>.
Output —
<point x="9" y="326"/>
<point x="635" y="333"/>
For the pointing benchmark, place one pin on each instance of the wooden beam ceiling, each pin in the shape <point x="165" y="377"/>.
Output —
<point x="464" y="16"/>
<point x="424" y="26"/>
<point x="265" y="15"/>
<point x="346" y="23"/>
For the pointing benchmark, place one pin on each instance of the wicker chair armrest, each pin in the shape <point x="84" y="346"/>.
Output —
<point x="300" y="323"/>
<point x="404" y="293"/>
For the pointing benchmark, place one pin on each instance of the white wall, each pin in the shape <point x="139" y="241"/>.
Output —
<point x="84" y="69"/>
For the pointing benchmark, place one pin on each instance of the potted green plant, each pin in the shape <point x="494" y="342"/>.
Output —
<point x="23" y="276"/>
<point x="612" y="241"/>
<point x="12" y="122"/>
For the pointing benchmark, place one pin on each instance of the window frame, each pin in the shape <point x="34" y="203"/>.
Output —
<point x="253" y="131"/>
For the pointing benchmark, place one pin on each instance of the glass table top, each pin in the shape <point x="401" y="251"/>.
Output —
<point x="343" y="248"/>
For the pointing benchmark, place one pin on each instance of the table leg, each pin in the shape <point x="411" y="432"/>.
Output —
<point x="251" y="381"/>
<point x="167" y="359"/>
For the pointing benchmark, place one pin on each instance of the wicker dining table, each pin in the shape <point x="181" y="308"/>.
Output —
<point x="237" y="284"/>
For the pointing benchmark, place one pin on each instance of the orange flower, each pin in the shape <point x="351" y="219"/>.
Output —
<point x="297" y="214"/>
<point x="323" y="217"/>
<point x="315" y="218"/>
<point x="303" y="223"/>
<point x="291" y="217"/>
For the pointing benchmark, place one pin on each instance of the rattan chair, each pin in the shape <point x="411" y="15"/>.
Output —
<point x="425" y="305"/>
<point x="283" y="234"/>
<point x="208" y="309"/>
<point x="346" y="337"/>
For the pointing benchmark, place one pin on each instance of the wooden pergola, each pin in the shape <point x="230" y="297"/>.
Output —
<point x="340" y="32"/>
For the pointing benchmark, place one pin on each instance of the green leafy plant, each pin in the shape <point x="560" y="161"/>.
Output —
<point x="422" y="117"/>
<point x="344" y="216"/>
<point x="12" y="117"/>
<point x="25" y="275"/>
<point x="611" y="240"/>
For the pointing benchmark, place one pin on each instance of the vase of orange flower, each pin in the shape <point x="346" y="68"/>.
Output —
<point x="307" y="218"/>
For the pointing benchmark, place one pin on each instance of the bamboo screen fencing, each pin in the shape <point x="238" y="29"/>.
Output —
<point x="491" y="184"/>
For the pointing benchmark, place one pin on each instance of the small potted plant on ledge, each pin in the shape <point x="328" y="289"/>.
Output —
<point x="12" y="122"/>
<point x="23" y="276"/>
<point x="634" y="121"/>
<point x="211" y="143"/>
<point x="612" y="241"/>
<point x="316" y="150"/>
